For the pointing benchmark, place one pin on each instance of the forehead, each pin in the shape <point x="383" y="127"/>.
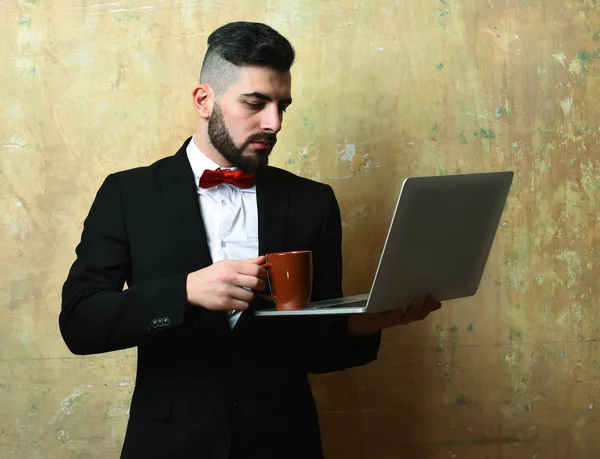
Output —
<point x="277" y="85"/>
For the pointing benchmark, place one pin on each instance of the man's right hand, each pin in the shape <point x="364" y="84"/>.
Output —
<point x="224" y="285"/>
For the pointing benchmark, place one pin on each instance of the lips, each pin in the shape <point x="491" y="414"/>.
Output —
<point x="261" y="144"/>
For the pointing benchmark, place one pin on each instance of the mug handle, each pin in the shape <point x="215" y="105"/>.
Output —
<point x="272" y="298"/>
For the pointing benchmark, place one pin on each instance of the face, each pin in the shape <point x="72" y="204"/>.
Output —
<point x="244" y="122"/>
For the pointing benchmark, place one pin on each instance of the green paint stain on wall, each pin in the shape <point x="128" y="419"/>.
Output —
<point x="564" y="354"/>
<point x="584" y="56"/>
<point x="470" y="328"/>
<point x="25" y="21"/>
<point x="461" y="400"/>
<point x="442" y="13"/>
<point x="515" y="334"/>
<point x="528" y="407"/>
<point x="462" y="138"/>
<point x="499" y="111"/>
<point x="308" y="124"/>
<point x="453" y="328"/>
<point x="447" y="371"/>
<point x="127" y="17"/>
<point x="487" y="133"/>
<point x="440" y="66"/>
<point x="596" y="35"/>
<point x="596" y="365"/>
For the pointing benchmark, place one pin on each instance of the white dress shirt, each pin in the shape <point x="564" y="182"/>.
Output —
<point x="230" y="216"/>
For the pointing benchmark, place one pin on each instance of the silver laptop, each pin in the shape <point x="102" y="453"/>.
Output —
<point x="438" y="242"/>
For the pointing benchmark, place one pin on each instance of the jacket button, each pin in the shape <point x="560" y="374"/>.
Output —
<point x="234" y="403"/>
<point x="160" y="322"/>
<point x="154" y="323"/>
<point x="166" y="321"/>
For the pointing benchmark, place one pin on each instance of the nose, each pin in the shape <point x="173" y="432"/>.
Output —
<point x="272" y="119"/>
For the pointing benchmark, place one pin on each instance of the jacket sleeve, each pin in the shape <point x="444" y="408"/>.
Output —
<point x="97" y="315"/>
<point x="331" y="345"/>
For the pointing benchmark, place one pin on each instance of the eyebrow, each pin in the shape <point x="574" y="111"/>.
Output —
<point x="262" y="96"/>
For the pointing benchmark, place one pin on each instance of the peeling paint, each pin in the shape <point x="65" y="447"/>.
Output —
<point x="567" y="105"/>
<point x="347" y="154"/>
<point x="69" y="404"/>
<point x="560" y="57"/>
<point x="574" y="266"/>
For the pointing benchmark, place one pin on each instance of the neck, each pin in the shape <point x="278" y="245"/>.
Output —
<point x="205" y="146"/>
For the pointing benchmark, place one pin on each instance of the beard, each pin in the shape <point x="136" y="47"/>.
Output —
<point x="222" y="140"/>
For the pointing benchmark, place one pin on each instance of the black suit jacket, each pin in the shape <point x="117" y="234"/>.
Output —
<point x="202" y="389"/>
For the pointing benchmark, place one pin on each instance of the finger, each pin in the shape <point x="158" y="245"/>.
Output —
<point x="431" y="298"/>
<point x="255" y="261"/>
<point x="405" y="318"/>
<point x="242" y="294"/>
<point x="430" y="302"/>
<point x="415" y="309"/>
<point x="251" y="282"/>
<point x="426" y="311"/>
<point x="251" y="269"/>
<point x="432" y="305"/>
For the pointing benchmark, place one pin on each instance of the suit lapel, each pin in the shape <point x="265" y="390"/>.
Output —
<point x="181" y="199"/>
<point x="272" y="198"/>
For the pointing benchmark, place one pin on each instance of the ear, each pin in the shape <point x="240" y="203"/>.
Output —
<point x="204" y="99"/>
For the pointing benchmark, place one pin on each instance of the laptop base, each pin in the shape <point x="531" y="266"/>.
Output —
<point x="356" y="304"/>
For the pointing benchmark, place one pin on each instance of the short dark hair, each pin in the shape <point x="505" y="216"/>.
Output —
<point x="244" y="44"/>
<point x="252" y="43"/>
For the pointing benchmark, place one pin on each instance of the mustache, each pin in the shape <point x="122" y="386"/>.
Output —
<point x="262" y="137"/>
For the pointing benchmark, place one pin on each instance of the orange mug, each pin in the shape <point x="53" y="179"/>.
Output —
<point x="290" y="277"/>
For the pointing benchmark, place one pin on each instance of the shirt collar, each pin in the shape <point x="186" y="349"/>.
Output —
<point x="200" y="163"/>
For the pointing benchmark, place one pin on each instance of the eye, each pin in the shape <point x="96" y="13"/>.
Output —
<point x="255" y="106"/>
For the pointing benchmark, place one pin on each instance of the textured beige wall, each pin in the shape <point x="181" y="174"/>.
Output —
<point x="382" y="89"/>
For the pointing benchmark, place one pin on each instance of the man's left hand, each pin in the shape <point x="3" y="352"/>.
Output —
<point x="367" y="324"/>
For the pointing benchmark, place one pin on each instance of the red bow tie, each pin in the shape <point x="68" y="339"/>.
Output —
<point x="238" y="178"/>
